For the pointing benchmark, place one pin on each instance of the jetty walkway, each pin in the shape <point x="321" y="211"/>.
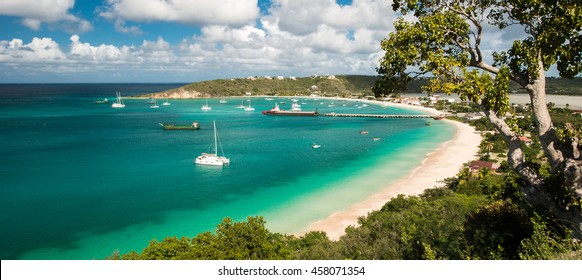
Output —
<point x="380" y="116"/>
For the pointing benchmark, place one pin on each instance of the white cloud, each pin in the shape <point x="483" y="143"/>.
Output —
<point x="54" y="12"/>
<point x="85" y="52"/>
<point x="157" y="52"/>
<point x="291" y="40"/>
<point x="121" y="27"/>
<point x="220" y="12"/>
<point x="305" y="16"/>
<point x="39" y="50"/>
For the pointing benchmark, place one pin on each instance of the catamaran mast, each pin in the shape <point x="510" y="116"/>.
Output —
<point x="215" y="141"/>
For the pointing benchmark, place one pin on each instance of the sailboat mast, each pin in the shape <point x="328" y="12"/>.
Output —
<point x="215" y="141"/>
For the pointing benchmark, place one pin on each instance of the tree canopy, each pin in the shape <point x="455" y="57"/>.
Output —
<point x="445" y="42"/>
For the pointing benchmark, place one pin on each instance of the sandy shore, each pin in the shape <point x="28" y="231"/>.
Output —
<point x="440" y="164"/>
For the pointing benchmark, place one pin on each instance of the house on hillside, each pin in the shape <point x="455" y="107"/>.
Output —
<point x="476" y="165"/>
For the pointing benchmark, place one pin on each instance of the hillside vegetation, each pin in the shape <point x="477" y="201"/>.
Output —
<point x="342" y="86"/>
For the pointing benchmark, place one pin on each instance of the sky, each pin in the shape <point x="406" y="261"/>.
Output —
<point x="153" y="41"/>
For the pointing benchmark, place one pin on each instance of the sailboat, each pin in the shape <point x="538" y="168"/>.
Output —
<point x="166" y="103"/>
<point x="154" y="105"/>
<point x="118" y="102"/>
<point x="222" y="100"/>
<point x="249" y="108"/>
<point x="242" y="105"/>
<point x="206" y="107"/>
<point x="214" y="158"/>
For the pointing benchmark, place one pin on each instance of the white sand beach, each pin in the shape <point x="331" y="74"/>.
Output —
<point x="440" y="164"/>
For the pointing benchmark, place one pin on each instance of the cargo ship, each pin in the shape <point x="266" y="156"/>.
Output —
<point x="171" y="126"/>
<point x="295" y="111"/>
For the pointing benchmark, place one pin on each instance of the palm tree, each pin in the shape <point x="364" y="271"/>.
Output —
<point x="488" y="146"/>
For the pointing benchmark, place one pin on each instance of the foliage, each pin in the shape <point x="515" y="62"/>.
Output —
<point x="544" y="244"/>
<point x="445" y="40"/>
<point x="495" y="230"/>
<point x="248" y="240"/>
<point x="482" y="124"/>
<point x="412" y="228"/>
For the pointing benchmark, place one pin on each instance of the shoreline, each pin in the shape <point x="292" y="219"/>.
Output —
<point x="443" y="162"/>
<point x="446" y="161"/>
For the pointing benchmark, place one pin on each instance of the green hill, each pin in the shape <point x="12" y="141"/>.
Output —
<point x="342" y="86"/>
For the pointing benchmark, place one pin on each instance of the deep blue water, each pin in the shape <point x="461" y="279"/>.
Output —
<point x="79" y="180"/>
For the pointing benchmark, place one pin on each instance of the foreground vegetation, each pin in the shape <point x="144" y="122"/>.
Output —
<point x="475" y="215"/>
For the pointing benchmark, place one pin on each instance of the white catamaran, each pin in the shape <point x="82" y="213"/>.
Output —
<point x="206" y="107"/>
<point x="118" y="102"/>
<point x="214" y="158"/>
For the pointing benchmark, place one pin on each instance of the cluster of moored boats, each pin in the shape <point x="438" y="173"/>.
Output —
<point x="213" y="158"/>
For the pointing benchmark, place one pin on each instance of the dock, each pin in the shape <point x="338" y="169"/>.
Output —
<point x="382" y="116"/>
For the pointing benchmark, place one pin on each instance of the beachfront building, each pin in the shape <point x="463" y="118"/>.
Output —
<point x="477" y="165"/>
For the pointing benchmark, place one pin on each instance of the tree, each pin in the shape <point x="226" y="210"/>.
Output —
<point x="445" y="42"/>
<point x="488" y="146"/>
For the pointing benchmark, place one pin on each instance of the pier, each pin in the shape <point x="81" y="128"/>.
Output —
<point x="381" y="116"/>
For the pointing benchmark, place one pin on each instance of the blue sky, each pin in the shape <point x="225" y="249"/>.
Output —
<point x="190" y="40"/>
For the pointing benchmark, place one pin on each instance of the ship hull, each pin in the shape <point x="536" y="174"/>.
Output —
<point x="180" y="127"/>
<point x="290" y="113"/>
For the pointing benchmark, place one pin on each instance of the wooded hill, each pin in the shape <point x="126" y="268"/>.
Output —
<point x="342" y="86"/>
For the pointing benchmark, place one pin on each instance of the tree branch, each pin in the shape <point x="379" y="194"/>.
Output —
<point x="515" y="156"/>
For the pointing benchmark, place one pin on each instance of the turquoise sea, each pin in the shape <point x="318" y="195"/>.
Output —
<point x="80" y="180"/>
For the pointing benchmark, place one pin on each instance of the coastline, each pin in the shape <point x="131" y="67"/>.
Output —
<point x="446" y="161"/>
<point x="442" y="163"/>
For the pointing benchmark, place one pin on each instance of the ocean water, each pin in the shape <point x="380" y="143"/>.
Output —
<point x="80" y="180"/>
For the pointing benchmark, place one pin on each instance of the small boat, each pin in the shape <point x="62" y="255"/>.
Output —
<point x="249" y="108"/>
<point x="295" y="107"/>
<point x="213" y="158"/>
<point x="222" y="100"/>
<point x="118" y="102"/>
<point x="363" y="132"/>
<point x="206" y="107"/>
<point x="427" y="123"/>
<point x="103" y="101"/>
<point x="242" y="105"/>
<point x="166" y="103"/>
<point x="269" y="99"/>
<point x="376" y="139"/>
<point x="316" y="146"/>
<point x="171" y="126"/>
<point x="151" y="101"/>
<point x="154" y="105"/>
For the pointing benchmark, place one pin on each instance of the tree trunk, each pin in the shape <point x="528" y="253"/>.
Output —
<point x="515" y="156"/>
<point x="561" y="159"/>
<point x="553" y="149"/>
<point x="560" y="156"/>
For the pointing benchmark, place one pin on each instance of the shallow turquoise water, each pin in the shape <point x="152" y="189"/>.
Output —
<point x="79" y="180"/>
